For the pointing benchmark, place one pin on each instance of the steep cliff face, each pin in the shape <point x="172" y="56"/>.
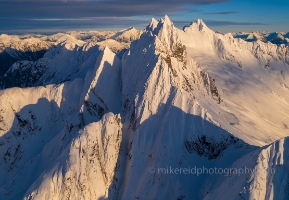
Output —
<point x="31" y="118"/>
<point x="85" y="169"/>
<point x="124" y="129"/>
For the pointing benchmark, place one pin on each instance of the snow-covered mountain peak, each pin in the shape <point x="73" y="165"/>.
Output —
<point x="106" y="49"/>
<point x="167" y="19"/>
<point x="162" y="25"/>
<point x="130" y="28"/>
<point x="152" y="25"/>
<point x="198" y="25"/>
<point x="127" y="35"/>
<point x="165" y="22"/>
<point x="165" y="32"/>
<point x="69" y="42"/>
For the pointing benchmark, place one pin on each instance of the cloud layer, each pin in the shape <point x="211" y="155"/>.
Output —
<point x="72" y="14"/>
<point x="55" y="15"/>
<point x="57" y="25"/>
<point x="107" y="8"/>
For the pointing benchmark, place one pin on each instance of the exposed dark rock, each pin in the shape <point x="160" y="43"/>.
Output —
<point x="209" y="147"/>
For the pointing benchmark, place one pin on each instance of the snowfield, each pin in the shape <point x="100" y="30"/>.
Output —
<point x="102" y="114"/>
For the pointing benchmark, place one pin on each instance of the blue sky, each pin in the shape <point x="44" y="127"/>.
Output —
<point x="21" y="16"/>
<point x="272" y="15"/>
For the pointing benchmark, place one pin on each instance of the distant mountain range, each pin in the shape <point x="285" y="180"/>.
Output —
<point x="162" y="113"/>
<point x="15" y="48"/>
<point x="275" y="38"/>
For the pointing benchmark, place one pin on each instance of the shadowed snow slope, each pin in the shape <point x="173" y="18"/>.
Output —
<point x="264" y="175"/>
<point x="105" y="128"/>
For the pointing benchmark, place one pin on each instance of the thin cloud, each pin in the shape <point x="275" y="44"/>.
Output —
<point x="222" y="13"/>
<point x="52" y="25"/>
<point x="108" y="8"/>
<point x="215" y="23"/>
<point x="69" y="13"/>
